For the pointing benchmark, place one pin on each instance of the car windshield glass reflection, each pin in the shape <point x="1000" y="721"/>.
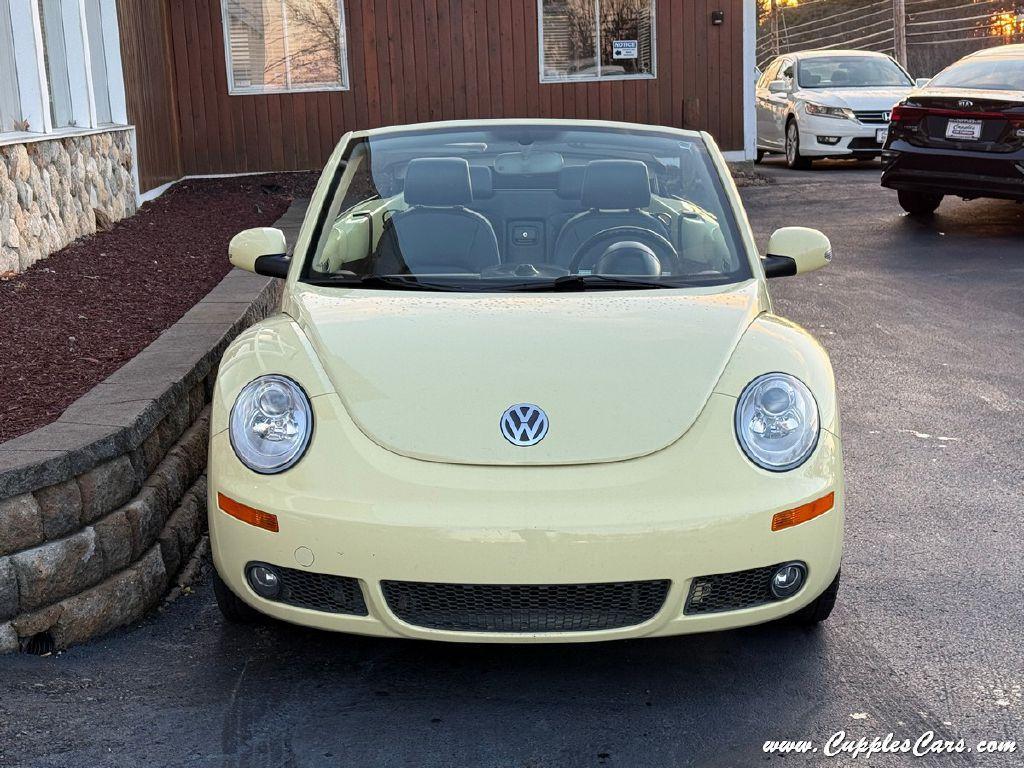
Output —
<point x="851" y="72"/>
<point x="995" y="74"/>
<point x="528" y="207"/>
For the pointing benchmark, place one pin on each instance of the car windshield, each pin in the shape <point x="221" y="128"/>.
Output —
<point x="995" y="74"/>
<point x="521" y="207"/>
<point x="851" y="72"/>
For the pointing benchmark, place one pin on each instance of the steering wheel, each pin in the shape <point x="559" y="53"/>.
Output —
<point x="662" y="246"/>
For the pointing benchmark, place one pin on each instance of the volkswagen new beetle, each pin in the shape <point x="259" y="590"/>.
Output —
<point x="526" y="384"/>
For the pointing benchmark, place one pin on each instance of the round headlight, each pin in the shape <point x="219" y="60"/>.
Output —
<point x="777" y="422"/>
<point x="271" y="423"/>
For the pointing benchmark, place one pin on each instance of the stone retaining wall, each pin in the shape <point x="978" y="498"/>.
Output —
<point x="99" y="510"/>
<point x="53" y="191"/>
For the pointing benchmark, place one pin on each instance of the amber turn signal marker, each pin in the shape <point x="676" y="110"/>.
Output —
<point x="239" y="511"/>
<point x="803" y="513"/>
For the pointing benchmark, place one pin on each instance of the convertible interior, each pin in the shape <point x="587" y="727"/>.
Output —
<point x="525" y="214"/>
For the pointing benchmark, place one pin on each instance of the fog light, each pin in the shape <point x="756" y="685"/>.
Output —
<point x="830" y="140"/>
<point x="264" y="581"/>
<point x="787" y="579"/>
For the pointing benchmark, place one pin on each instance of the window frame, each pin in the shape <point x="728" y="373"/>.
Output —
<point x="597" y="78"/>
<point x="263" y="90"/>
<point x="33" y="85"/>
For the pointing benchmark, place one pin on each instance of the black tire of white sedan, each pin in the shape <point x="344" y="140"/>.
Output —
<point x="231" y="607"/>
<point x="919" y="203"/>
<point x="794" y="159"/>
<point x="818" y="611"/>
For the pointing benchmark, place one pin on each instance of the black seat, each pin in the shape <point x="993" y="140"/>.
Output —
<point x="437" y="234"/>
<point x="615" y="192"/>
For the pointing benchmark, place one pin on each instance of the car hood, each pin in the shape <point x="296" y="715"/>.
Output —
<point x="619" y="374"/>
<point x="858" y="99"/>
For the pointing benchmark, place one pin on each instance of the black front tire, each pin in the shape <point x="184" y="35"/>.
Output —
<point x="919" y="203"/>
<point x="818" y="611"/>
<point x="233" y="609"/>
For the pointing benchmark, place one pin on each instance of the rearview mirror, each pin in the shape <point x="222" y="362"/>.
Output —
<point x="262" y="250"/>
<point x="921" y="82"/>
<point x="795" y="250"/>
<point x="778" y="86"/>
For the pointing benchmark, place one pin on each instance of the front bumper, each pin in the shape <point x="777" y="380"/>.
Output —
<point x="953" y="172"/>
<point x="696" y="508"/>
<point x="856" y="139"/>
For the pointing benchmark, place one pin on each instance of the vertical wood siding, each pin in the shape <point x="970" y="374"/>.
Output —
<point x="418" y="60"/>
<point x="150" y="89"/>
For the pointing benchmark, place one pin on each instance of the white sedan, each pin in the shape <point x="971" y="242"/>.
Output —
<point x="818" y="104"/>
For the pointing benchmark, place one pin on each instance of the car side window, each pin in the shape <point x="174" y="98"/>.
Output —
<point x="787" y="73"/>
<point x="769" y="74"/>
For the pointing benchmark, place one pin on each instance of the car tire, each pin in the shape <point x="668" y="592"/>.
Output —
<point x="919" y="203"/>
<point x="818" y="611"/>
<point x="759" y="158"/>
<point x="232" y="608"/>
<point x="794" y="159"/>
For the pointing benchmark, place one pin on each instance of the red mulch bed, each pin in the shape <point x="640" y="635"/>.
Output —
<point x="77" y="316"/>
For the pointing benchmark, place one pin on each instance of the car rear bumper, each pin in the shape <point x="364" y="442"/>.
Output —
<point x="695" y="509"/>
<point x="960" y="173"/>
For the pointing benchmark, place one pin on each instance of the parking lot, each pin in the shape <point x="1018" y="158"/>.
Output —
<point x="923" y="322"/>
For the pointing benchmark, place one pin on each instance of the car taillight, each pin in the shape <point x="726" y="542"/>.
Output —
<point x="904" y="114"/>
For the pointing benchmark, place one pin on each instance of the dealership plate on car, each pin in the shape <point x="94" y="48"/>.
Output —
<point x="881" y="135"/>
<point x="964" y="130"/>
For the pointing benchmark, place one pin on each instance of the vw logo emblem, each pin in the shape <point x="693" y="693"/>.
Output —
<point x="524" y="424"/>
<point x="965" y="103"/>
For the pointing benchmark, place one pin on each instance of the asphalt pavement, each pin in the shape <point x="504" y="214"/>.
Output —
<point x="923" y="320"/>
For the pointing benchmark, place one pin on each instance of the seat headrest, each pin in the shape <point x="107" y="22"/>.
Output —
<point x="438" y="181"/>
<point x="616" y="185"/>
<point x="482" y="181"/>
<point x="570" y="182"/>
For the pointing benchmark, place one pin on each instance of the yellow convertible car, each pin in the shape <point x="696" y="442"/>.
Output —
<point x="526" y="385"/>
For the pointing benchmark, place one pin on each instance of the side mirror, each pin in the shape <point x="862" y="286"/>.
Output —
<point x="262" y="250"/>
<point x="778" y="86"/>
<point x="921" y="82"/>
<point x="795" y="250"/>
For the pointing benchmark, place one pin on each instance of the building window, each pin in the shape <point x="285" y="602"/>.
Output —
<point x="60" y="66"/>
<point x="11" y="118"/>
<point x="55" y="59"/>
<point x="596" y="39"/>
<point x="95" y="24"/>
<point x="285" y="45"/>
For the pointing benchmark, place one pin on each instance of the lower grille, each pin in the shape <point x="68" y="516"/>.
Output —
<point x="525" y="607"/>
<point x="730" y="591"/>
<point x="865" y="142"/>
<point x="320" y="592"/>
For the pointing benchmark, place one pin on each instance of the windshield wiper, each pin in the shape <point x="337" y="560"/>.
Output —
<point x="563" y="284"/>
<point x="386" y="282"/>
<point x="570" y="283"/>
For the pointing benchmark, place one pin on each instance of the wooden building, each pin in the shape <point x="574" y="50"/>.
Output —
<point x="235" y="86"/>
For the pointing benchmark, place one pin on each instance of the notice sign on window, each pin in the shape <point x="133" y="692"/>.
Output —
<point x="625" y="49"/>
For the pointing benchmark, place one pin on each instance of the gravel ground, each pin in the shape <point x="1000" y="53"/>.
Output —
<point x="923" y="321"/>
<point x="74" y="318"/>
